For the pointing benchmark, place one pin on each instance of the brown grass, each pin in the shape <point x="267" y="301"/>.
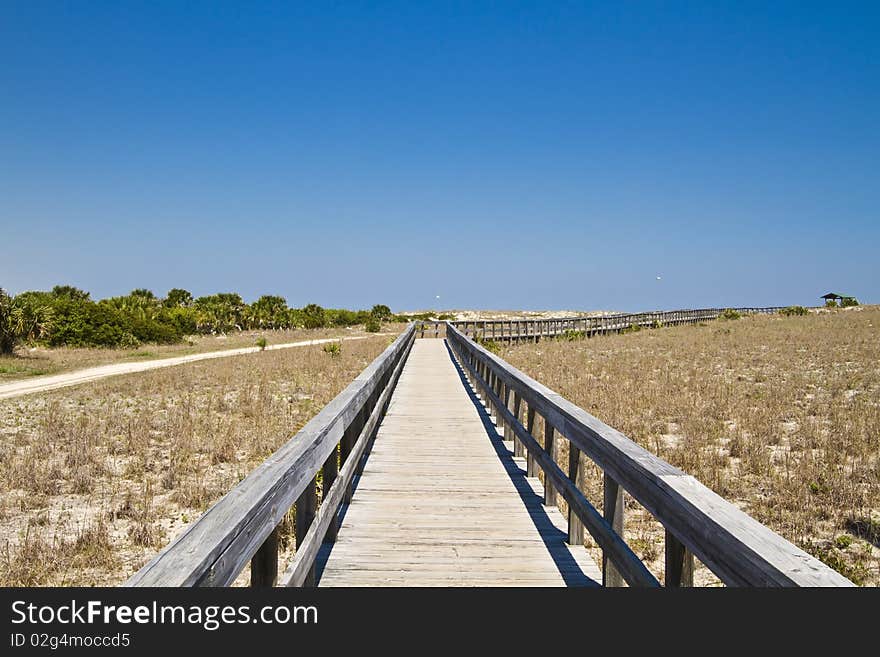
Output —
<point x="95" y="479"/>
<point x="779" y="415"/>
<point x="36" y="361"/>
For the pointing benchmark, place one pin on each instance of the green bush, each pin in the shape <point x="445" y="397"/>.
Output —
<point x="83" y="323"/>
<point x="490" y="345"/>
<point x="571" y="335"/>
<point x="788" y="311"/>
<point x="848" y="302"/>
<point x="372" y="325"/>
<point x="730" y="313"/>
<point x="831" y="303"/>
<point x="313" y="316"/>
<point x="262" y="342"/>
<point x="332" y="348"/>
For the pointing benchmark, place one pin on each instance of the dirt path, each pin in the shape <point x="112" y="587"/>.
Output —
<point x="44" y="383"/>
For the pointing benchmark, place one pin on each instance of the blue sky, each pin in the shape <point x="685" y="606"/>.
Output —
<point x="499" y="155"/>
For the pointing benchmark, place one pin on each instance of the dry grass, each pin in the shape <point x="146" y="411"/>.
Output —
<point x="95" y="479"/>
<point x="36" y="361"/>
<point x="779" y="415"/>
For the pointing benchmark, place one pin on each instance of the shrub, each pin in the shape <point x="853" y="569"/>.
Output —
<point x="22" y="319"/>
<point x="788" y="311"/>
<point x="831" y="303"/>
<point x="729" y="313"/>
<point x="313" y="316"/>
<point x="129" y="341"/>
<point x="82" y="323"/>
<point x="848" y="302"/>
<point x="372" y="325"/>
<point x="571" y="335"/>
<point x="382" y="313"/>
<point x="333" y="348"/>
<point x="491" y="345"/>
<point x="262" y="342"/>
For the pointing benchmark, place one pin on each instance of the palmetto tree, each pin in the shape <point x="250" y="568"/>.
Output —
<point x="20" y="321"/>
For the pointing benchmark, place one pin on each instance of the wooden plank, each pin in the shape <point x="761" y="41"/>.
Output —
<point x="442" y="501"/>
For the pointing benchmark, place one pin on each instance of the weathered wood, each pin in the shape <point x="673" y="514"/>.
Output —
<point x="531" y="466"/>
<point x="737" y="548"/>
<point x="612" y="511"/>
<point x="550" y="450"/>
<point x="215" y="548"/>
<point x="302" y="566"/>
<point x="328" y="476"/>
<point x="518" y="449"/>
<point x="439" y="501"/>
<point x="264" y="563"/>
<point x="629" y="565"/>
<point x="575" y="475"/>
<point x="679" y="563"/>
<point x="306" y="508"/>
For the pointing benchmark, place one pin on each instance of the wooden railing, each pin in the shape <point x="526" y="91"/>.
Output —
<point x="243" y="525"/>
<point x="534" y="329"/>
<point x="430" y="328"/>
<point x="737" y="548"/>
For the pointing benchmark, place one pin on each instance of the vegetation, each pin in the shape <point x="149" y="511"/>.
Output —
<point x="262" y="343"/>
<point x="372" y="325"/>
<point x="730" y="313"/>
<point x="790" y="311"/>
<point x="332" y="348"/>
<point x="95" y="479"/>
<point x="848" y="302"/>
<point x="780" y="415"/>
<point x="830" y="303"/>
<point x="21" y="320"/>
<point x="67" y="316"/>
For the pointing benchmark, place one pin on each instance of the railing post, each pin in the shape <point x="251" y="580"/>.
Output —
<point x="613" y="512"/>
<point x="264" y="563"/>
<point x="517" y="408"/>
<point x="306" y="506"/>
<point x="349" y="437"/>
<point x="575" y="526"/>
<point x="550" y="448"/>
<point x="531" y="465"/>
<point x="679" y="563"/>
<point x="505" y="400"/>
<point x="330" y="470"/>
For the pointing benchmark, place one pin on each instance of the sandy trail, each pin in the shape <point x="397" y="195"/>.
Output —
<point x="44" y="383"/>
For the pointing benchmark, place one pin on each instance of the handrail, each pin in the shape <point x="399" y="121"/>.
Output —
<point x="736" y="547"/>
<point x="243" y="524"/>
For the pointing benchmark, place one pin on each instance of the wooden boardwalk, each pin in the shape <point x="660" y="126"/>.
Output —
<point x="441" y="500"/>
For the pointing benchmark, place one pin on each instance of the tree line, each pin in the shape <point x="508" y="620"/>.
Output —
<point x="67" y="316"/>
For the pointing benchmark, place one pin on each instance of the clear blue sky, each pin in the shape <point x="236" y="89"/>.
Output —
<point x="500" y="155"/>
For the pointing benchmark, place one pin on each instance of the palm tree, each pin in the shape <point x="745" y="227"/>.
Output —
<point x="21" y="321"/>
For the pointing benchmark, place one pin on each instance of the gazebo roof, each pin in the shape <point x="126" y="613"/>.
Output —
<point x="835" y="295"/>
